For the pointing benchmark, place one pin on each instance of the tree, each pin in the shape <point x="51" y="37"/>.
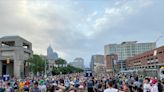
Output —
<point x="66" y="70"/>
<point x="37" y="64"/>
<point x="60" y="61"/>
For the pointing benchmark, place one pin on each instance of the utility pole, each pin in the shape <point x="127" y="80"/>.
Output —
<point x="45" y="72"/>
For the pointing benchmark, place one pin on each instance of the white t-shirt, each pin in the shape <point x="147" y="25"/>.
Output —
<point x="154" y="88"/>
<point x="43" y="88"/>
<point x="146" y="87"/>
<point x="111" y="90"/>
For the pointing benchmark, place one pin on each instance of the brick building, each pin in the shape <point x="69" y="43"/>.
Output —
<point x="127" y="49"/>
<point x="150" y="59"/>
<point x="96" y="60"/>
<point x="111" y="62"/>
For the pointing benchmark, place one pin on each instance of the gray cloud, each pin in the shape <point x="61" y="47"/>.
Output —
<point x="64" y="25"/>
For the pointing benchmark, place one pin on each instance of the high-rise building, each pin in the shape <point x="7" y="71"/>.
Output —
<point x="78" y="63"/>
<point x="125" y="50"/>
<point x="96" y="61"/>
<point x="51" y="54"/>
<point x="128" y="49"/>
<point x="51" y="57"/>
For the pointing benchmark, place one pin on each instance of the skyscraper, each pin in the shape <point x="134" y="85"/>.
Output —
<point x="51" y="55"/>
<point x="128" y="49"/>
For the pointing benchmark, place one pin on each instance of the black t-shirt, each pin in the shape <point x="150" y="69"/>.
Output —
<point x="15" y="85"/>
<point x="160" y="87"/>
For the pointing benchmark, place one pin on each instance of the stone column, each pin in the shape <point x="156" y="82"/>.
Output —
<point x="18" y="63"/>
<point x="17" y="68"/>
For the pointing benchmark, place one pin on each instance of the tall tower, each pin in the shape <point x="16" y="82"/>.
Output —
<point x="51" y="54"/>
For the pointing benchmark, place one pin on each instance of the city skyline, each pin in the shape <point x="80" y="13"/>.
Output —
<point x="82" y="28"/>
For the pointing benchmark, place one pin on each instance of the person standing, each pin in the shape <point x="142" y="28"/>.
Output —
<point x="125" y="87"/>
<point x="146" y="86"/>
<point x="90" y="85"/>
<point x="110" y="88"/>
<point x="35" y="88"/>
<point x="8" y="88"/>
<point x="42" y="87"/>
<point x="160" y="86"/>
<point x="26" y="85"/>
<point x="16" y="87"/>
<point x="21" y="86"/>
<point x="154" y="86"/>
<point x="2" y="89"/>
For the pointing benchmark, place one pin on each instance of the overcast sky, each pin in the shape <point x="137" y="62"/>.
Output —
<point x="81" y="28"/>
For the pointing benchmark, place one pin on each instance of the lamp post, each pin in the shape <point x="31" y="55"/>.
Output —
<point x="121" y="65"/>
<point x="45" y="72"/>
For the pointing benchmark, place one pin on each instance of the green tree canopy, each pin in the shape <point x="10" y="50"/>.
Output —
<point x="60" y="61"/>
<point x="66" y="70"/>
<point x="37" y="64"/>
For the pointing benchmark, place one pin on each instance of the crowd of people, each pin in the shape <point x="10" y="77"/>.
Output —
<point x="79" y="83"/>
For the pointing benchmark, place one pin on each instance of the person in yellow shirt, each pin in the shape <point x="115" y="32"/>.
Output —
<point x="21" y="86"/>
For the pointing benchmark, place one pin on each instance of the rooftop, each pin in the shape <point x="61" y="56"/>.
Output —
<point x="6" y="38"/>
<point x="128" y="42"/>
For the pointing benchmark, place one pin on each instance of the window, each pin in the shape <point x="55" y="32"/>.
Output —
<point x="8" y="43"/>
<point x="160" y="52"/>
